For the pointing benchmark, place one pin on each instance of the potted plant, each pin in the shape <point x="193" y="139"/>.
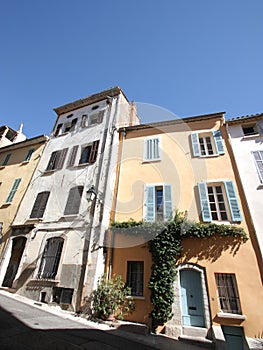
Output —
<point x="112" y="299"/>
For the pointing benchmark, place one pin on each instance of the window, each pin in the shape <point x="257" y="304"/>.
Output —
<point x="29" y="155"/>
<point x="66" y="127"/>
<point x="152" y="149"/>
<point x="135" y="277"/>
<point x="13" y="191"/>
<point x="50" y="258"/>
<point x="89" y="153"/>
<point x="40" y="205"/>
<point x="219" y="202"/>
<point x="74" y="199"/>
<point x="228" y="293"/>
<point x="158" y="203"/>
<point x="207" y="143"/>
<point x="250" y="129"/>
<point x="5" y="161"/>
<point x="92" y="119"/>
<point x="57" y="159"/>
<point x="258" y="158"/>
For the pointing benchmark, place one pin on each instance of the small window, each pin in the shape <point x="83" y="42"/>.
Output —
<point x="39" y="205"/>
<point x="74" y="199"/>
<point x="58" y="130"/>
<point x="219" y="202"/>
<point x="207" y="143"/>
<point x="152" y="149"/>
<point x="89" y="153"/>
<point x="158" y="203"/>
<point x="250" y="129"/>
<point x="29" y="155"/>
<point x="13" y="191"/>
<point x="57" y="159"/>
<point x="5" y="161"/>
<point x="258" y="158"/>
<point x="228" y="293"/>
<point x="135" y="277"/>
<point x="50" y="258"/>
<point x="92" y="119"/>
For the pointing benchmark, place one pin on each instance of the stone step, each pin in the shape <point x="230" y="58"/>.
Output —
<point x="197" y="341"/>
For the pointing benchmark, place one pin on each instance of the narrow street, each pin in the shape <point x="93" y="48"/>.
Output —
<point x="25" y="325"/>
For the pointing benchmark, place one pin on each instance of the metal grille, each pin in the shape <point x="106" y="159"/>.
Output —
<point x="228" y="293"/>
<point x="135" y="277"/>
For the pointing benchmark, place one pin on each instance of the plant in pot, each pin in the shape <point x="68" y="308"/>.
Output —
<point x="112" y="299"/>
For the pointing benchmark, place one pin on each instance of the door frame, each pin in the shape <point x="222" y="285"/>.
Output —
<point x="201" y="270"/>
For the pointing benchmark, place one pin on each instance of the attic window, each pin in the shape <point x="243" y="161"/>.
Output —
<point x="250" y="129"/>
<point x="95" y="107"/>
<point x="70" y="115"/>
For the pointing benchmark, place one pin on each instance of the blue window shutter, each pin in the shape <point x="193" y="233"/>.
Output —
<point x="150" y="203"/>
<point x="218" y="142"/>
<point x="204" y="201"/>
<point x="168" y="205"/>
<point x="232" y="200"/>
<point x="148" y="149"/>
<point x="13" y="191"/>
<point x="195" y="144"/>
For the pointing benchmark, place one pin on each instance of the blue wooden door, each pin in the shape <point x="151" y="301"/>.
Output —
<point x="192" y="298"/>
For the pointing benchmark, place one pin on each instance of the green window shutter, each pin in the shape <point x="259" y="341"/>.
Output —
<point x="150" y="203"/>
<point x="232" y="200"/>
<point x="204" y="202"/>
<point x="218" y="142"/>
<point x="195" y="144"/>
<point x="29" y="155"/>
<point x="13" y="191"/>
<point x="5" y="161"/>
<point x="168" y="205"/>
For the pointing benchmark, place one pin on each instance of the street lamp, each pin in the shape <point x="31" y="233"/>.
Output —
<point x="91" y="194"/>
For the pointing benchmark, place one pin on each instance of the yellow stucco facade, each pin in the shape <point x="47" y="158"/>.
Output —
<point x="17" y="164"/>
<point x="178" y="166"/>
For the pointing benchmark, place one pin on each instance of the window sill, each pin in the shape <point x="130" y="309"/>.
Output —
<point x="66" y="216"/>
<point x="145" y="161"/>
<point x="2" y="166"/>
<point x="42" y="280"/>
<point x="226" y="315"/>
<point x="247" y="137"/>
<point x="47" y="172"/>
<point x="36" y="220"/>
<point x="6" y="204"/>
<point x="211" y="155"/>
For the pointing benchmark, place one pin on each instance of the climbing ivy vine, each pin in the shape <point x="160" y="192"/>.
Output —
<point x="166" y="248"/>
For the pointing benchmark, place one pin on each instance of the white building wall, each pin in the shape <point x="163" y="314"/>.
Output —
<point x="243" y="146"/>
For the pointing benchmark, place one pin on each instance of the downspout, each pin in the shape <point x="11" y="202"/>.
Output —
<point x="114" y="206"/>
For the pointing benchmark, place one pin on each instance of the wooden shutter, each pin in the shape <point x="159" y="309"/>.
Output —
<point x="148" y="149"/>
<point x="5" y="161"/>
<point x="72" y="157"/>
<point x="218" y="142"/>
<point x="150" y="203"/>
<point x="204" y="202"/>
<point x="233" y="201"/>
<point x="195" y="144"/>
<point x="13" y="190"/>
<point x="100" y="116"/>
<point x="74" y="199"/>
<point x="156" y="148"/>
<point x="168" y="205"/>
<point x="61" y="158"/>
<point x="73" y="124"/>
<point x="40" y="205"/>
<point x="84" y="120"/>
<point x="94" y="151"/>
<point x="58" y="129"/>
<point x="52" y="161"/>
<point x="29" y="155"/>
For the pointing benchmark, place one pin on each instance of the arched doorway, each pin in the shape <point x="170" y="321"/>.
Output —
<point x="192" y="304"/>
<point x="18" y="246"/>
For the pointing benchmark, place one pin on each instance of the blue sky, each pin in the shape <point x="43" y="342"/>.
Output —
<point x="190" y="57"/>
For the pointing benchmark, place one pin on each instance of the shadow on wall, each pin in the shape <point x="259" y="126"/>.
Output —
<point x="209" y="249"/>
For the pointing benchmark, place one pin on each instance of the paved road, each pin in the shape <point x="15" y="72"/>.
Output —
<point x="24" y="327"/>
